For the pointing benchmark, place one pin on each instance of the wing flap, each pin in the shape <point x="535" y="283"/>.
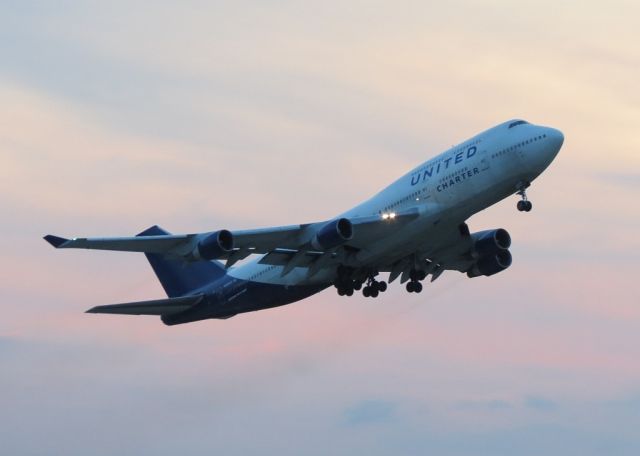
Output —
<point x="264" y="240"/>
<point x="282" y="257"/>
<point x="155" y="307"/>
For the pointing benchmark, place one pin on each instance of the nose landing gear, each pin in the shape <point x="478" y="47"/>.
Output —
<point x="524" y="205"/>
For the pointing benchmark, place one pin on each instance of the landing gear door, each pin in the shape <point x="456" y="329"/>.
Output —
<point x="485" y="164"/>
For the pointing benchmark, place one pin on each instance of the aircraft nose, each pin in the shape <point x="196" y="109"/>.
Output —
<point x="556" y="139"/>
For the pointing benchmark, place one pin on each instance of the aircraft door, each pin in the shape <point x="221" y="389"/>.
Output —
<point x="485" y="163"/>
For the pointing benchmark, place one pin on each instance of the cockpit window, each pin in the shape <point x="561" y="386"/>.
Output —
<point x="516" y="123"/>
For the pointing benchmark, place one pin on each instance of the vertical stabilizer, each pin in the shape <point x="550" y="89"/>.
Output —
<point x="179" y="277"/>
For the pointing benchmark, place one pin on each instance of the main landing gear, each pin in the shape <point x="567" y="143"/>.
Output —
<point x="347" y="284"/>
<point x="524" y="205"/>
<point x="345" y="291"/>
<point x="373" y="288"/>
<point x="414" y="285"/>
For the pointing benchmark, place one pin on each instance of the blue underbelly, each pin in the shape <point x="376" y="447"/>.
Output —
<point x="240" y="296"/>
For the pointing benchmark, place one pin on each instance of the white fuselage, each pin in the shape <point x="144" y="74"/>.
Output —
<point x="446" y="190"/>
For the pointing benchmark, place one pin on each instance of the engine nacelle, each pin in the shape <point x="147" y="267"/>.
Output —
<point x="214" y="246"/>
<point x="491" y="264"/>
<point x="491" y="241"/>
<point x="333" y="234"/>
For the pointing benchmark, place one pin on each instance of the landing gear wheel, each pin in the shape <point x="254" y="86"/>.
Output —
<point x="341" y="291"/>
<point x="414" y="287"/>
<point x="524" y="205"/>
<point x="372" y="287"/>
<point x="349" y="292"/>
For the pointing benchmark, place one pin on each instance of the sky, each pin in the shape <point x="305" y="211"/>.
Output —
<point x="196" y="116"/>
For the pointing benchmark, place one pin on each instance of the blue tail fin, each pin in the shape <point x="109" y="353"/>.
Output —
<point x="179" y="277"/>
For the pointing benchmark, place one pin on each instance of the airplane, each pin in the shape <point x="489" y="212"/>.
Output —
<point x="413" y="228"/>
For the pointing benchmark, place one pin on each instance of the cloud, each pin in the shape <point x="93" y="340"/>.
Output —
<point x="370" y="411"/>
<point x="491" y="404"/>
<point x="540" y="403"/>
<point x="210" y="115"/>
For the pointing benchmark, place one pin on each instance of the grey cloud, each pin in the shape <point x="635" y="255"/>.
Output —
<point x="369" y="412"/>
<point x="493" y="404"/>
<point x="540" y="403"/>
<point x="136" y="387"/>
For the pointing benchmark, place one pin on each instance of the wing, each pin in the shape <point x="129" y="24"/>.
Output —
<point x="293" y="245"/>
<point x="452" y="247"/>
<point x="147" y="244"/>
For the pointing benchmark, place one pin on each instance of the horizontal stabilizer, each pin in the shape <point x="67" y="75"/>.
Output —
<point x="155" y="307"/>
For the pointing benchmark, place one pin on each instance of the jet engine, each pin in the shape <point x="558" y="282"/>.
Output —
<point x="215" y="245"/>
<point x="491" y="247"/>
<point x="333" y="234"/>
<point x="486" y="242"/>
<point x="491" y="264"/>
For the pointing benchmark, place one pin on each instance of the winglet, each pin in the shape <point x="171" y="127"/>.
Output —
<point x="55" y="241"/>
